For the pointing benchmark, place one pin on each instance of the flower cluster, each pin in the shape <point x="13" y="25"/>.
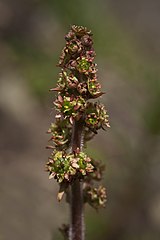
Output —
<point x="96" y="116"/>
<point x="96" y="197"/>
<point x="76" y="86"/>
<point x="63" y="166"/>
<point x="79" y="73"/>
<point x="70" y="106"/>
<point x="60" y="135"/>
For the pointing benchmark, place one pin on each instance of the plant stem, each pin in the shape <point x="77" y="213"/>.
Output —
<point x="77" y="219"/>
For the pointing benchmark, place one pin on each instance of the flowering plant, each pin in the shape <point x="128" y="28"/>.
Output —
<point x="78" y="120"/>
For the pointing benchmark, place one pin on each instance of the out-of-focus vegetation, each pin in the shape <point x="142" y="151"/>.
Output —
<point x="127" y="39"/>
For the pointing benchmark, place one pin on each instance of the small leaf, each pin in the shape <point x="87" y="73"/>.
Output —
<point x="62" y="189"/>
<point x="51" y="175"/>
<point x="60" y="196"/>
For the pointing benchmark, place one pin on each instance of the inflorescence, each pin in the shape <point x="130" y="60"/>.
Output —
<point x="77" y="84"/>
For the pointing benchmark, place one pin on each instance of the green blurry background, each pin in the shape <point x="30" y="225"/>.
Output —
<point x="127" y="42"/>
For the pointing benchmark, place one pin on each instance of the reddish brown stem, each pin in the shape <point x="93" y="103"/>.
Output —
<point x="77" y="220"/>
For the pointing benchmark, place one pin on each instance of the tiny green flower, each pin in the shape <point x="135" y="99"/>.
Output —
<point x="83" y="65"/>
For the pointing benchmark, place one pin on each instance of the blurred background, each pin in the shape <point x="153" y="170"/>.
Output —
<point x="126" y="39"/>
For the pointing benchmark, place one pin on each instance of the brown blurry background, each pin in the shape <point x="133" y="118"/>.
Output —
<point x="127" y="42"/>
